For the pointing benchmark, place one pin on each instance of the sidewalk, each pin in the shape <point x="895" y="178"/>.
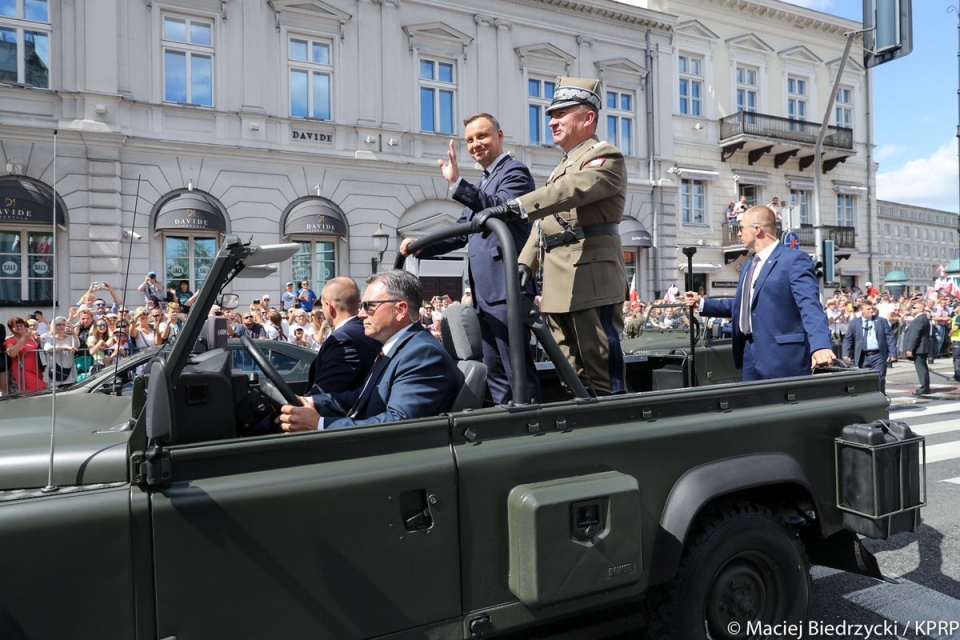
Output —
<point x="902" y="381"/>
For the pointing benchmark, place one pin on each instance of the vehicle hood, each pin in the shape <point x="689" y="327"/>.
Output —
<point x="91" y="440"/>
<point x="653" y="340"/>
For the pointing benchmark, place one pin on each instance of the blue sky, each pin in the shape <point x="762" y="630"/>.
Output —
<point x="915" y="107"/>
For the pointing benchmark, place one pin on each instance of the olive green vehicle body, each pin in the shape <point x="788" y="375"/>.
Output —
<point x="442" y="527"/>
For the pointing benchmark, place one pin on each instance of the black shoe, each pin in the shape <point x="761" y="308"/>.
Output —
<point x="920" y="392"/>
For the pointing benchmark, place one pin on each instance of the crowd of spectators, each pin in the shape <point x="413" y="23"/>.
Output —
<point x="841" y="307"/>
<point x="96" y="333"/>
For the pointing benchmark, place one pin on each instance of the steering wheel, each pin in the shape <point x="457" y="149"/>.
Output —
<point x="287" y="395"/>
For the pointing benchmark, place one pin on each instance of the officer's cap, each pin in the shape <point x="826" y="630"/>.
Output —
<point x="573" y="91"/>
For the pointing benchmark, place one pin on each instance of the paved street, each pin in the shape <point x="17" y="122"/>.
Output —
<point x="922" y="598"/>
<point x="925" y="566"/>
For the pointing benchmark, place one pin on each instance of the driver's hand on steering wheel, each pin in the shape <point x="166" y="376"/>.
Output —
<point x="303" y="418"/>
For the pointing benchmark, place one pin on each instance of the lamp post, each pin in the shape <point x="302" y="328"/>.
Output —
<point x="380" y="238"/>
<point x="957" y="11"/>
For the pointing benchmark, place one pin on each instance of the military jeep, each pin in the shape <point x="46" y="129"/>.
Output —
<point x="162" y="514"/>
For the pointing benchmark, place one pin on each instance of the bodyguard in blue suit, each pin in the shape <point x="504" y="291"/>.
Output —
<point x="503" y="179"/>
<point x="345" y="357"/>
<point x="870" y="342"/>
<point x="413" y="375"/>
<point x="779" y="326"/>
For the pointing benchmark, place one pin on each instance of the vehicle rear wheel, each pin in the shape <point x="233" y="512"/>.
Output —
<point x="741" y="569"/>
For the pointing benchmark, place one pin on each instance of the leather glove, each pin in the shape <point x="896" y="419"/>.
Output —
<point x="526" y="275"/>
<point x="506" y="211"/>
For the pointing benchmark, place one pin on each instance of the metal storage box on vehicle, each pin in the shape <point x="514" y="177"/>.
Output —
<point x="573" y="536"/>
<point x="879" y="486"/>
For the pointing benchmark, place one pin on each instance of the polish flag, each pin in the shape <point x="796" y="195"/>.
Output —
<point x="633" y="287"/>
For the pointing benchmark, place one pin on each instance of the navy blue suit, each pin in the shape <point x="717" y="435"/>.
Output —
<point x="507" y="180"/>
<point x="417" y="379"/>
<point x="788" y="320"/>
<point x="855" y="343"/>
<point x="344" y="359"/>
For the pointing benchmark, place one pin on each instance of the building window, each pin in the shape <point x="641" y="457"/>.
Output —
<point x="188" y="258"/>
<point x="748" y="91"/>
<point x="800" y="200"/>
<point x="896" y="249"/>
<point x="620" y="118"/>
<point x="188" y="61"/>
<point x="437" y="91"/>
<point x="845" y="210"/>
<point x="691" y="85"/>
<point x="539" y="95"/>
<point x="797" y="98"/>
<point x="843" y="107"/>
<point x="26" y="266"/>
<point x="693" y="201"/>
<point x="25" y="40"/>
<point x="316" y="261"/>
<point x="311" y="71"/>
<point x="886" y="228"/>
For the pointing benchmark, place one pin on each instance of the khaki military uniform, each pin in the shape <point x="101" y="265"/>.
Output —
<point x="584" y="282"/>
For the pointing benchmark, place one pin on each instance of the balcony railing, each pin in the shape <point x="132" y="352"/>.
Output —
<point x="843" y="237"/>
<point x="797" y="131"/>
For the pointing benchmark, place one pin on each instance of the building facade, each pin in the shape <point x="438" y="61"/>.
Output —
<point x="752" y="82"/>
<point x="135" y="135"/>
<point x="916" y="241"/>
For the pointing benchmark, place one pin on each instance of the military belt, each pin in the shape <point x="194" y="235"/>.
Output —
<point x="569" y="236"/>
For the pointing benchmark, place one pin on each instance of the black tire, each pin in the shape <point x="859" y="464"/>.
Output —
<point x="741" y="565"/>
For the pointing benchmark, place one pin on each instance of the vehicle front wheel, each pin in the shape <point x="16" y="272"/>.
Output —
<point x="742" y="571"/>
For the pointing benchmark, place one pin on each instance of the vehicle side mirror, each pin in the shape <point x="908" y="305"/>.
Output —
<point x="229" y="301"/>
<point x="159" y="403"/>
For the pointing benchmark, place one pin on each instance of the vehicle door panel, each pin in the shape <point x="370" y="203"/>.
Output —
<point x="304" y="536"/>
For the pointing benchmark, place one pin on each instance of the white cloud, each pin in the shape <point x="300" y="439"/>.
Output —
<point x="886" y="152"/>
<point x="924" y="182"/>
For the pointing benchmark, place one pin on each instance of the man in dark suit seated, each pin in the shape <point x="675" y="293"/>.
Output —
<point x="345" y="357"/>
<point x="413" y="375"/>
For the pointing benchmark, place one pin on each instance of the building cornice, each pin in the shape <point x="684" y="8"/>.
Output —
<point x="790" y="14"/>
<point x="606" y="10"/>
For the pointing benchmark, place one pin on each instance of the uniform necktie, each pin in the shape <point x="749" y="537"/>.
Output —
<point x="746" y="324"/>
<point x="374" y="374"/>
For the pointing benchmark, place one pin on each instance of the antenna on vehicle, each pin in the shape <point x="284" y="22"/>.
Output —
<point x="133" y="235"/>
<point x="50" y="488"/>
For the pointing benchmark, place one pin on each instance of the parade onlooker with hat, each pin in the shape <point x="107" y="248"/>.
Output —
<point x="288" y="299"/>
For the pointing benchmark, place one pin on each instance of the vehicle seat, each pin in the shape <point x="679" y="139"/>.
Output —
<point x="460" y="333"/>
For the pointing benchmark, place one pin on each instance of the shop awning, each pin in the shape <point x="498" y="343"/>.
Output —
<point x="703" y="267"/>
<point x="191" y="211"/>
<point x="754" y="178"/>
<point x="696" y="174"/>
<point x="24" y="201"/>
<point x="634" y="234"/>
<point x="313" y="216"/>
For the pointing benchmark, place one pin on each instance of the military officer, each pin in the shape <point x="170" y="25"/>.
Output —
<point x="576" y="238"/>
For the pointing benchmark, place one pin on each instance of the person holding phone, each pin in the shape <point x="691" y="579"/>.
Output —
<point x="150" y="289"/>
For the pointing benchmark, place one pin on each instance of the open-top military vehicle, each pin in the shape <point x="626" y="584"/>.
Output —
<point x="158" y="514"/>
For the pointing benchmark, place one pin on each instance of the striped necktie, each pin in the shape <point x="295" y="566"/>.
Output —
<point x="367" y="386"/>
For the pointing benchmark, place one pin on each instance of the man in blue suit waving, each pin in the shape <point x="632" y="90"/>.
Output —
<point x="503" y="179"/>
<point x="779" y="326"/>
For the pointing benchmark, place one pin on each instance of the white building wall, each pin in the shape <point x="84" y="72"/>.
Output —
<point x="116" y="134"/>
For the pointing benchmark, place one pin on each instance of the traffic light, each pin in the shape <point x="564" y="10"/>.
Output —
<point x="828" y="261"/>
<point x="819" y="269"/>
<point x="888" y="30"/>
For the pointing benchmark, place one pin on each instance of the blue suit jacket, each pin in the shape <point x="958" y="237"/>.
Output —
<point x="417" y="379"/>
<point x="854" y="342"/>
<point x="788" y="320"/>
<point x="344" y="359"/>
<point x="509" y="179"/>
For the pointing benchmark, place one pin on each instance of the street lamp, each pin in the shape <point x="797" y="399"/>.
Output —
<point x="380" y="238"/>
